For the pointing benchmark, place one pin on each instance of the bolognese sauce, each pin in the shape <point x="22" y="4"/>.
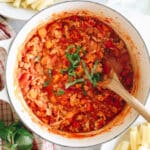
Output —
<point x="60" y="69"/>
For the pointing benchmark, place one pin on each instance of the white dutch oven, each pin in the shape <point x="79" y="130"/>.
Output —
<point x="138" y="53"/>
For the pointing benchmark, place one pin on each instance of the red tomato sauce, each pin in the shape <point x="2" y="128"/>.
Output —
<point x="61" y="67"/>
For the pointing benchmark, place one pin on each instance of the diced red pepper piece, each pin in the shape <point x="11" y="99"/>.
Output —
<point x="101" y="123"/>
<point x="129" y="81"/>
<point x="75" y="35"/>
<point x="76" y="124"/>
<point x="48" y="89"/>
<point x="109" y="44"/>
<point x="89" y="107"/>
<point x="106" y="68"/>
<point x="23" y="80"/>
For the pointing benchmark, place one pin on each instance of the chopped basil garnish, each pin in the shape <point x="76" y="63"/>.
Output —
<point x="84" y="92"/>
<point x="60" y="92"/>
<point x="74" y="82"/>
<point x="93" y="77"/>
<point x="94" y="68"/>
<point x="71" y="72"/>
<point x="46" y="83"/>
<point x="74" y="60"/>
<point x="96" y="78"/>
<point x="63" y="70"/>
<point x="86" y="71"/>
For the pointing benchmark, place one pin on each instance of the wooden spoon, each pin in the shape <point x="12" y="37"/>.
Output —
<point x="118" y="88"/>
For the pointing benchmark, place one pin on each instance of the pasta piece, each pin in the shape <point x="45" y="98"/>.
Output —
<point x="124" y="145"/>
<point x="44" y="4"/>
<point x="148" y="133"/>
<point x="33" y="4"/>
<point x="17" y="3"/>
<point x="30" y="1"/>
<point x="143" y="148"/>
<point x="134" y="138"/>
<point x="144" y="133"/>
<point x="24" y="4"/>
<point x="36" y="4"/>
<point x="6" y="1"/>
<point x="139" y="138"/>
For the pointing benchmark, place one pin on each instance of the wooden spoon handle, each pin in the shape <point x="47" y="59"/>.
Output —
<point x="117" y="87"/>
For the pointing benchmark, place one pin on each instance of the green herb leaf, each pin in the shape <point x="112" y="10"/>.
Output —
<point x="94" y="67"/>
<point x="86" y="71"/>
<point x="71" y="72"/>
<point x="60" y="92"/>
<point x="16" y="136"/>
<point x="2" y="125"/>
<point x="64" y="70"/>
<point x="46" y="83"/>
<point x="84" y="92"/>
<point x="4" y="132"/>
<point x="96" y="78"/>
<point x="93" y="77"/>
<point x="13" y="147"/>
<point x="22" y="131"/>
<point x="74" y="60"/>
<point x="74" y="82"/>
<point x="78" y="49"/>
<point x="14" y="126"/>
<point x="23" y="139"/>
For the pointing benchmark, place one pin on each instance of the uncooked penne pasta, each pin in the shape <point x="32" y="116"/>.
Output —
<point x="30" y="1"/>
<point x="32" y="4"/>
<point x="6" y="1"/>
<point x="36" y="4"/>
<point x="44" y="4"/>
<point x="139" y="138"/>
<point x="17" y="3"/>
<point x="124" y="145"/>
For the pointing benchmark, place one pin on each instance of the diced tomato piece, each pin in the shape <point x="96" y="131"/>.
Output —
<point x="124" y="58"/>
<point x="74" y="18"/>
<point x="48" y="89"/>
<point x="63" y="40"/>
<point x="109" y="44"/>
<point x="113" y="101"/>
<point x="91" y="22"/>
<point x="101" y="123"/>
<point x="89" y="107"/>
<point x="129" y="81"/>
<point x="76" y="124"/>
<point x="106" y="68"/>
<point x="24" y="79"/>
<point x="51" y="120"/>
<point x="105" y="28"/>
<point x="75" y="35"/>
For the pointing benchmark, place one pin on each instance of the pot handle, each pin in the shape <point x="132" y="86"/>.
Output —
<point x="4" y="45"/>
